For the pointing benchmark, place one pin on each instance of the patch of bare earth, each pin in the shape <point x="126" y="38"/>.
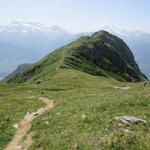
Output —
<point x="19" y="142"/>
<point x="122" y="88"/>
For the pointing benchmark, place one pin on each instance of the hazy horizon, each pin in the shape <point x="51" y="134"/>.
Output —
<point x="79" y="16"/>
<point x="97" y="28"/>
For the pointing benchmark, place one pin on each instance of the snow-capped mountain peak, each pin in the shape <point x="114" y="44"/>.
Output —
<point x="114" y="30"/>
<point x="29" y="27"/>
<point x="121" y="32"/>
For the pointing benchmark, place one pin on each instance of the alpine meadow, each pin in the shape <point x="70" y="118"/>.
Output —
<point x="84" y="90"/>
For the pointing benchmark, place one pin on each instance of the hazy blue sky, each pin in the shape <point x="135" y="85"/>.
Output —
<point x="79" y="15"/>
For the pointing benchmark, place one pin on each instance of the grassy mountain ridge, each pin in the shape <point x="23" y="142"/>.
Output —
<point x="42" y="69"/>
<point x="101" y="54"/>
<point x="81" y="79"/>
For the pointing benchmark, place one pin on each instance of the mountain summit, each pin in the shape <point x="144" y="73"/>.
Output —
<point x="101" y="54"/>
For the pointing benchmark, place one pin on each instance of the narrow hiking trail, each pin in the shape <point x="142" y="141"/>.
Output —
<point x="18" y="142"/>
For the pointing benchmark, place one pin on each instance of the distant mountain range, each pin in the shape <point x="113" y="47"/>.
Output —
<point x="27" y="42"/>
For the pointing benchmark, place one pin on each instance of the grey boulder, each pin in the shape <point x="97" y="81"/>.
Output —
<point x="131" y="119"/>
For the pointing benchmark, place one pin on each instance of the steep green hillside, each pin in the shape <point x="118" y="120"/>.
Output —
<point x="19" y="69"/>
<point x="102" y="54"/>
<point x="41" y="70"/>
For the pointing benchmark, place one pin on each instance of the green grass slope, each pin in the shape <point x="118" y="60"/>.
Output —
<point x="84" y="112"/>
<point x="102" y="54"/>
<point x="14" y="104"/>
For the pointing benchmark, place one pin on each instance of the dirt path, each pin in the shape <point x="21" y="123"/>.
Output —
<point x="18" y="143"/>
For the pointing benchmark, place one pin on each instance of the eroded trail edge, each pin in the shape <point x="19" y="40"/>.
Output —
<point x="24" y="125"/>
